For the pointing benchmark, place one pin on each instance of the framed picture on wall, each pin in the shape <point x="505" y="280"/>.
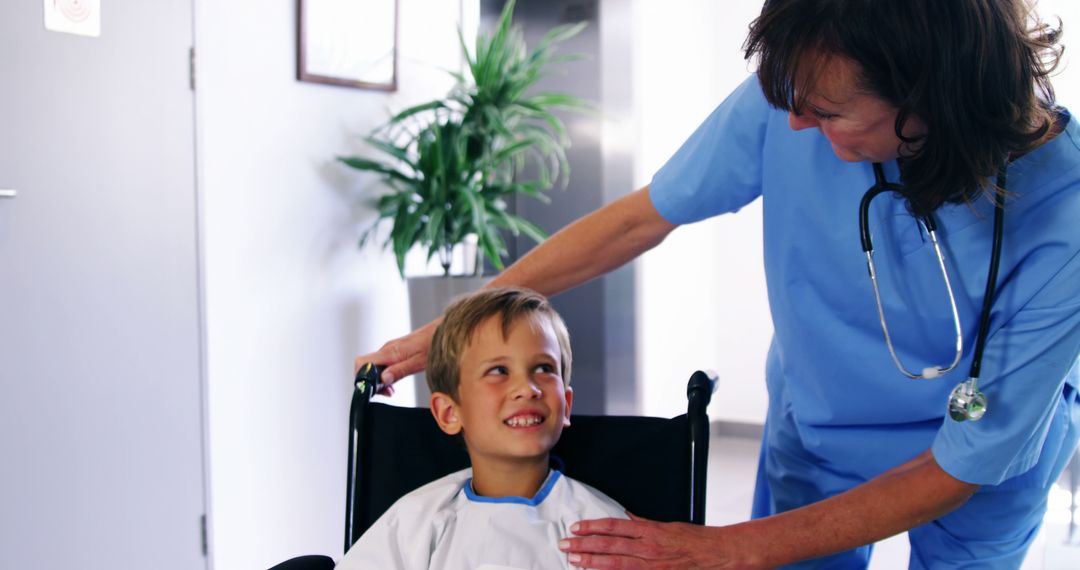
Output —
<point x="352" y="43"/>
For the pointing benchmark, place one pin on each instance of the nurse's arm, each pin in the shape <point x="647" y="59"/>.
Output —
<point x="591" y="246"/>
<point x="900" y="499"/>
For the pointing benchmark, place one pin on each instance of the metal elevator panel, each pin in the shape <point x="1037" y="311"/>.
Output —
<point x="599" y="314"/>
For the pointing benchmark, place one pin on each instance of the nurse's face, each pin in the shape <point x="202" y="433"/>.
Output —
<point x="860" y="125"/>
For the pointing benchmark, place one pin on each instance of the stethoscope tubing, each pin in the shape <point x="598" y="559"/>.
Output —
<point x="991" y="278"/>
<point x="880" y="186"/>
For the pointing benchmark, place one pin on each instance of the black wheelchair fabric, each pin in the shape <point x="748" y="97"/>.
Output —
<point x="643" y="463"/>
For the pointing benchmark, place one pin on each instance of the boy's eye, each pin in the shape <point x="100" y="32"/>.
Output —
<point x="545" y="368"/>
<point x="821" y="115"/>
<point x="497" y="371"/>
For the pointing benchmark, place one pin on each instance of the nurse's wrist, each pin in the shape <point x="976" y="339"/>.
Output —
<point x="746" y="546"/>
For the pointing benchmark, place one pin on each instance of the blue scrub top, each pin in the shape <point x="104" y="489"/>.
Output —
<point x="828" y="365"/>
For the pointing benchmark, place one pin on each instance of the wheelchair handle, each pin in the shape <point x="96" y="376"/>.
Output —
<point x="366" y="384"/>
<point x="699" y="392"/>
<point x="369" y="379"/>
<point x="701" y="387"/>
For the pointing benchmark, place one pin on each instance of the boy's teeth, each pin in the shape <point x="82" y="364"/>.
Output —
<point x="523" y="421"/>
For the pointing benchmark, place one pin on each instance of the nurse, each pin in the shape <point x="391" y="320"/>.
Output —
<point x="944" y="94"/>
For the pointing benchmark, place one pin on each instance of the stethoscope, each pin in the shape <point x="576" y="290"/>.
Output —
<point x="966" y="402"/>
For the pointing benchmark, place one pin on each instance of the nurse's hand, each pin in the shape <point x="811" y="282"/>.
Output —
<point x="401" y="356"/>
<point x="642" y="543"/>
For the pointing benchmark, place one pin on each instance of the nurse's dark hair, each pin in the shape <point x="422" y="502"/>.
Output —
<point x="976" y="72"/>
<point x="465" y="315"/>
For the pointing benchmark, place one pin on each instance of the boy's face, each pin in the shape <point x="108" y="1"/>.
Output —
<point x="512" y="403"/>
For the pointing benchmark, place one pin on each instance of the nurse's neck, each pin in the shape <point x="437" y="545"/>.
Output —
<point x="506" y="477"/>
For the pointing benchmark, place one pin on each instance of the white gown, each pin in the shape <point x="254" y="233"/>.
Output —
<point x="445" y="525"/>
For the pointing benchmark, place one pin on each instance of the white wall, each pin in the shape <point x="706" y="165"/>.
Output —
<point x="701" y="294"/>
<point x="1067" y="79"/>
<point x="289" y="298"/>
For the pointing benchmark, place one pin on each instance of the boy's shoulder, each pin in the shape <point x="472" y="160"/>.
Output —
<point x="586" y="499"/>
<point x="433" y="496"/>
<point x="400" y="537"/>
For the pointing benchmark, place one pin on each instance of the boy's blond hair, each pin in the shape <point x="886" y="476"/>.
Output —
<point x="464" y="316"/>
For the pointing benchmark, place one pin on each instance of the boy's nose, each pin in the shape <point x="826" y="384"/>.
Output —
<point x="526" y="388"/>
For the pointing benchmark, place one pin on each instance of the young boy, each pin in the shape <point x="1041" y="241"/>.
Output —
<point x="499" y="373"/>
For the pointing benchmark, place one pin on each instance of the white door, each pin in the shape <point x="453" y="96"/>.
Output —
<point x="101" y="447"/>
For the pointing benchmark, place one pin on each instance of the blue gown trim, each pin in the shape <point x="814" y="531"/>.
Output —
<point x="533" y="502"/>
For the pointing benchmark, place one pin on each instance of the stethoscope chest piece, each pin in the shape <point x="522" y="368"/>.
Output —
<point x="967" y="402"/>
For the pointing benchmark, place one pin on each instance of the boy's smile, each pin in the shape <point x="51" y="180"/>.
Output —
<point x="511" y="404"/>
<point x="524" y="420"/>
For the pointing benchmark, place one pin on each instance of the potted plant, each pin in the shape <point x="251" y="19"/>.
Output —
<point x="453" y="165"/>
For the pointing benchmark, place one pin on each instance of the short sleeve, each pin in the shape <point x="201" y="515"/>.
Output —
<point x="1026" y="363"/>
<point x="384" y="545"/>
<point x="718" y="169"/>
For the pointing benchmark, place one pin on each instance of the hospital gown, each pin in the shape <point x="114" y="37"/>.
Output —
<point x="839" y="411"/>
<point x="445" y="525"/>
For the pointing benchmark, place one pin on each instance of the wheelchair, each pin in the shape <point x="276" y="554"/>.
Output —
<point x="654" y="467"/>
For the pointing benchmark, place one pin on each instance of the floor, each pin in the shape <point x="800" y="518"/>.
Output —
<point x="733" y="462"/>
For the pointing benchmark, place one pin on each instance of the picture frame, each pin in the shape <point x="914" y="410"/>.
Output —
<point x="349" y="43"/>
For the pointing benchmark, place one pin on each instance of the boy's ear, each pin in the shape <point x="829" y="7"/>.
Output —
<point x="569" y="405"/>
<point x="445" y="410"/>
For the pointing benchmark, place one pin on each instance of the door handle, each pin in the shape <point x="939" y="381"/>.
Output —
<point x="8" y="193"/>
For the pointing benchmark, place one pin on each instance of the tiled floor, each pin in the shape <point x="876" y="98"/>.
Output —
<point x="733" y="462"/>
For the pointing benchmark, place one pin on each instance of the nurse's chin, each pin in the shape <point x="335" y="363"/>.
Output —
<point x="849" y="155"/>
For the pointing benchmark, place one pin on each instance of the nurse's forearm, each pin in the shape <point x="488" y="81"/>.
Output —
<point x="592" y="246"/>
<point x="902" y="498"/>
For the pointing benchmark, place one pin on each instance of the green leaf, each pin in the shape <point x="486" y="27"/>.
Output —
<point x="399" y="236"/>
<point x="400" y="153"/>
<point x="476" y="211"/>
<point x="435" y="227"/>
<point x="514" y="148"/>
<point x="504" y="220"/>
<point x="492" y="245"/>
<point x="560" y="34"/>
<point x="469" y="59"/>
<point x="530" y="229"/>
<point x="542" y="100"/>
<point x="373" y="166"/>
<point x="417" y="109"/>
